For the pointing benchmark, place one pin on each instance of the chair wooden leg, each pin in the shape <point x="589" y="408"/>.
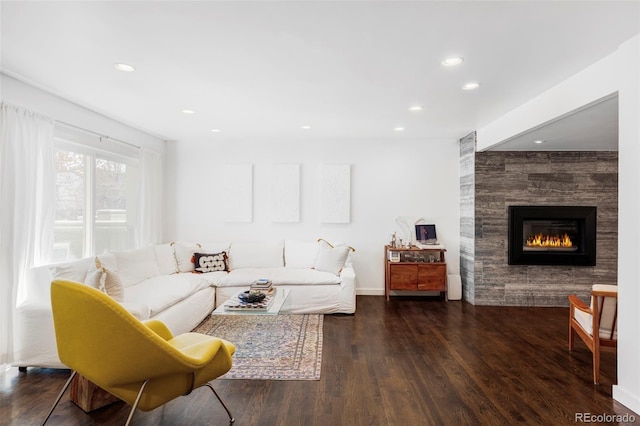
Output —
<point x="596" y="366"/>
<point x="571" y="336"/>
<point x="64" y="388"/>
<point x="231" y="419"/>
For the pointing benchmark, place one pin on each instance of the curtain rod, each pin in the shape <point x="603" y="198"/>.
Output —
<point x="102" y="137"/>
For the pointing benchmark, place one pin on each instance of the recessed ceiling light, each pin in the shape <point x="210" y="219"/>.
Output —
<point x="124" y="67"/>
<point x="305" y="127"/>
<point x="453" y="61"/>
<point x="188" y="111"/>
<point x="416" y="108"/>
<point x="215" y="130"/>
<point x="470" y="86"/>
<point x="539" y="141"/>
<point x="399" y="129"/>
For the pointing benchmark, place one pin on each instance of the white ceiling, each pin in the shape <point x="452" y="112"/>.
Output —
<point x="260" y="70"/>
<point x="593" y="127"/>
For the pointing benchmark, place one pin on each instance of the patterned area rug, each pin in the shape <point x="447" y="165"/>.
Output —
<point x="270" y="347"/>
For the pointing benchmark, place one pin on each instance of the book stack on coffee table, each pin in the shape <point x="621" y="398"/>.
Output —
<point x="262" y="285"/>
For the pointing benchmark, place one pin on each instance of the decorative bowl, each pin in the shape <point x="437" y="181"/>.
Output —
<point x="251" y="297"/>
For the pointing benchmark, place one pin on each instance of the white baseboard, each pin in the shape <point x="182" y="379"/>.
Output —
<point x="628" y="400"/>
<point x="370" y="292"/>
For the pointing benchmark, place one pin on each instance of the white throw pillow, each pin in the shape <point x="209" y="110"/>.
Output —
<point x="269" y="254"/>
<point x="106" y="280"/>
<point x="184" y="255"/>
<point x="300" y="254"/>
<point x="73" y="271"/>
<point x="165" y="259"/>
<point x="136" y="265"/>
<point x="332" y="258"/>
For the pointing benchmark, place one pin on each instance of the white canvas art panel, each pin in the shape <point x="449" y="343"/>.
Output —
<point x="237" y="189"/>
<point x="285" y="193"/>
<point x="335" y="193"/>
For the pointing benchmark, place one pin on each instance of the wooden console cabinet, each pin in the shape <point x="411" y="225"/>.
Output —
<point x="415" y="269"/>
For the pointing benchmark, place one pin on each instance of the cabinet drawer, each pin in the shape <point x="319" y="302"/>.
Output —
<point x="432" y="270"/>
<point x="432" y="283"/>
<point x="432" y="277"/>
<point x="404" y="277"/>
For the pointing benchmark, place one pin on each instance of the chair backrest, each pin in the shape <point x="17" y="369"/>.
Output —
<point x="604" y="301"/>
<point x="100" y="340"/>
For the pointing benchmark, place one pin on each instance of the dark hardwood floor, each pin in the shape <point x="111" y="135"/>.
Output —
<point x="409" y="361"/>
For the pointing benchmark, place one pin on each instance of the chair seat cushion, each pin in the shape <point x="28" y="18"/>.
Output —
<point x="585" y="321"/>
<point x="200" y="347"/>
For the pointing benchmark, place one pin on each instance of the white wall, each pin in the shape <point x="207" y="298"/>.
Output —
<point x="389" y="178"/>
<point x="619" y="72"/>
<point x="29" y="97"/>
<point x="628" y="389"/>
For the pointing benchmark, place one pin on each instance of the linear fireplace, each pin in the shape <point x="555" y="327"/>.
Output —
<point x="552" y="235"/>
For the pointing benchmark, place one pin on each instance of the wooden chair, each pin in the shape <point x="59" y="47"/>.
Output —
<point x="601" y="315"/>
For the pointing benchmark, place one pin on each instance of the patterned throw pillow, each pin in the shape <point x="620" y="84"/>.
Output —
<point x="207" y="262"/>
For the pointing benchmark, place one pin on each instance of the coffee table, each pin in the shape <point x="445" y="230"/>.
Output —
<point x="274" y="309"/>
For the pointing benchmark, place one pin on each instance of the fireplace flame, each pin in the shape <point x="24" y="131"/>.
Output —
<point x="540" y="240"/>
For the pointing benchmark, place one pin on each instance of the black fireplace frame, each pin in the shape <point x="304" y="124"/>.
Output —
<point x="586" y="217"/>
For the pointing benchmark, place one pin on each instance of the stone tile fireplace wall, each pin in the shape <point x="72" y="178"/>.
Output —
<point x="502" y="179"/>
<point x="467" y="215"/>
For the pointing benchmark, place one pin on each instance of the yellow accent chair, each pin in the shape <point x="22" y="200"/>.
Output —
<point x="141" y="363"/>
<point x="601" y="315"/>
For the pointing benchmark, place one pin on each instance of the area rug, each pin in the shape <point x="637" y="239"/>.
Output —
<point x="270" y="347"/>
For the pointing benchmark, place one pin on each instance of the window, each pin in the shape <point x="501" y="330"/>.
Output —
<point x="69" y="228"/>
<point x="96" y="201"/>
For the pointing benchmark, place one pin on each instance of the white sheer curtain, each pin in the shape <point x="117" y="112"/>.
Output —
<point x="150" y="207"/>
<point x="27" y="203"/>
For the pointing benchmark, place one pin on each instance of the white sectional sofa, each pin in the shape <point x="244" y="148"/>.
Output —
<point x="165" y="283"/>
